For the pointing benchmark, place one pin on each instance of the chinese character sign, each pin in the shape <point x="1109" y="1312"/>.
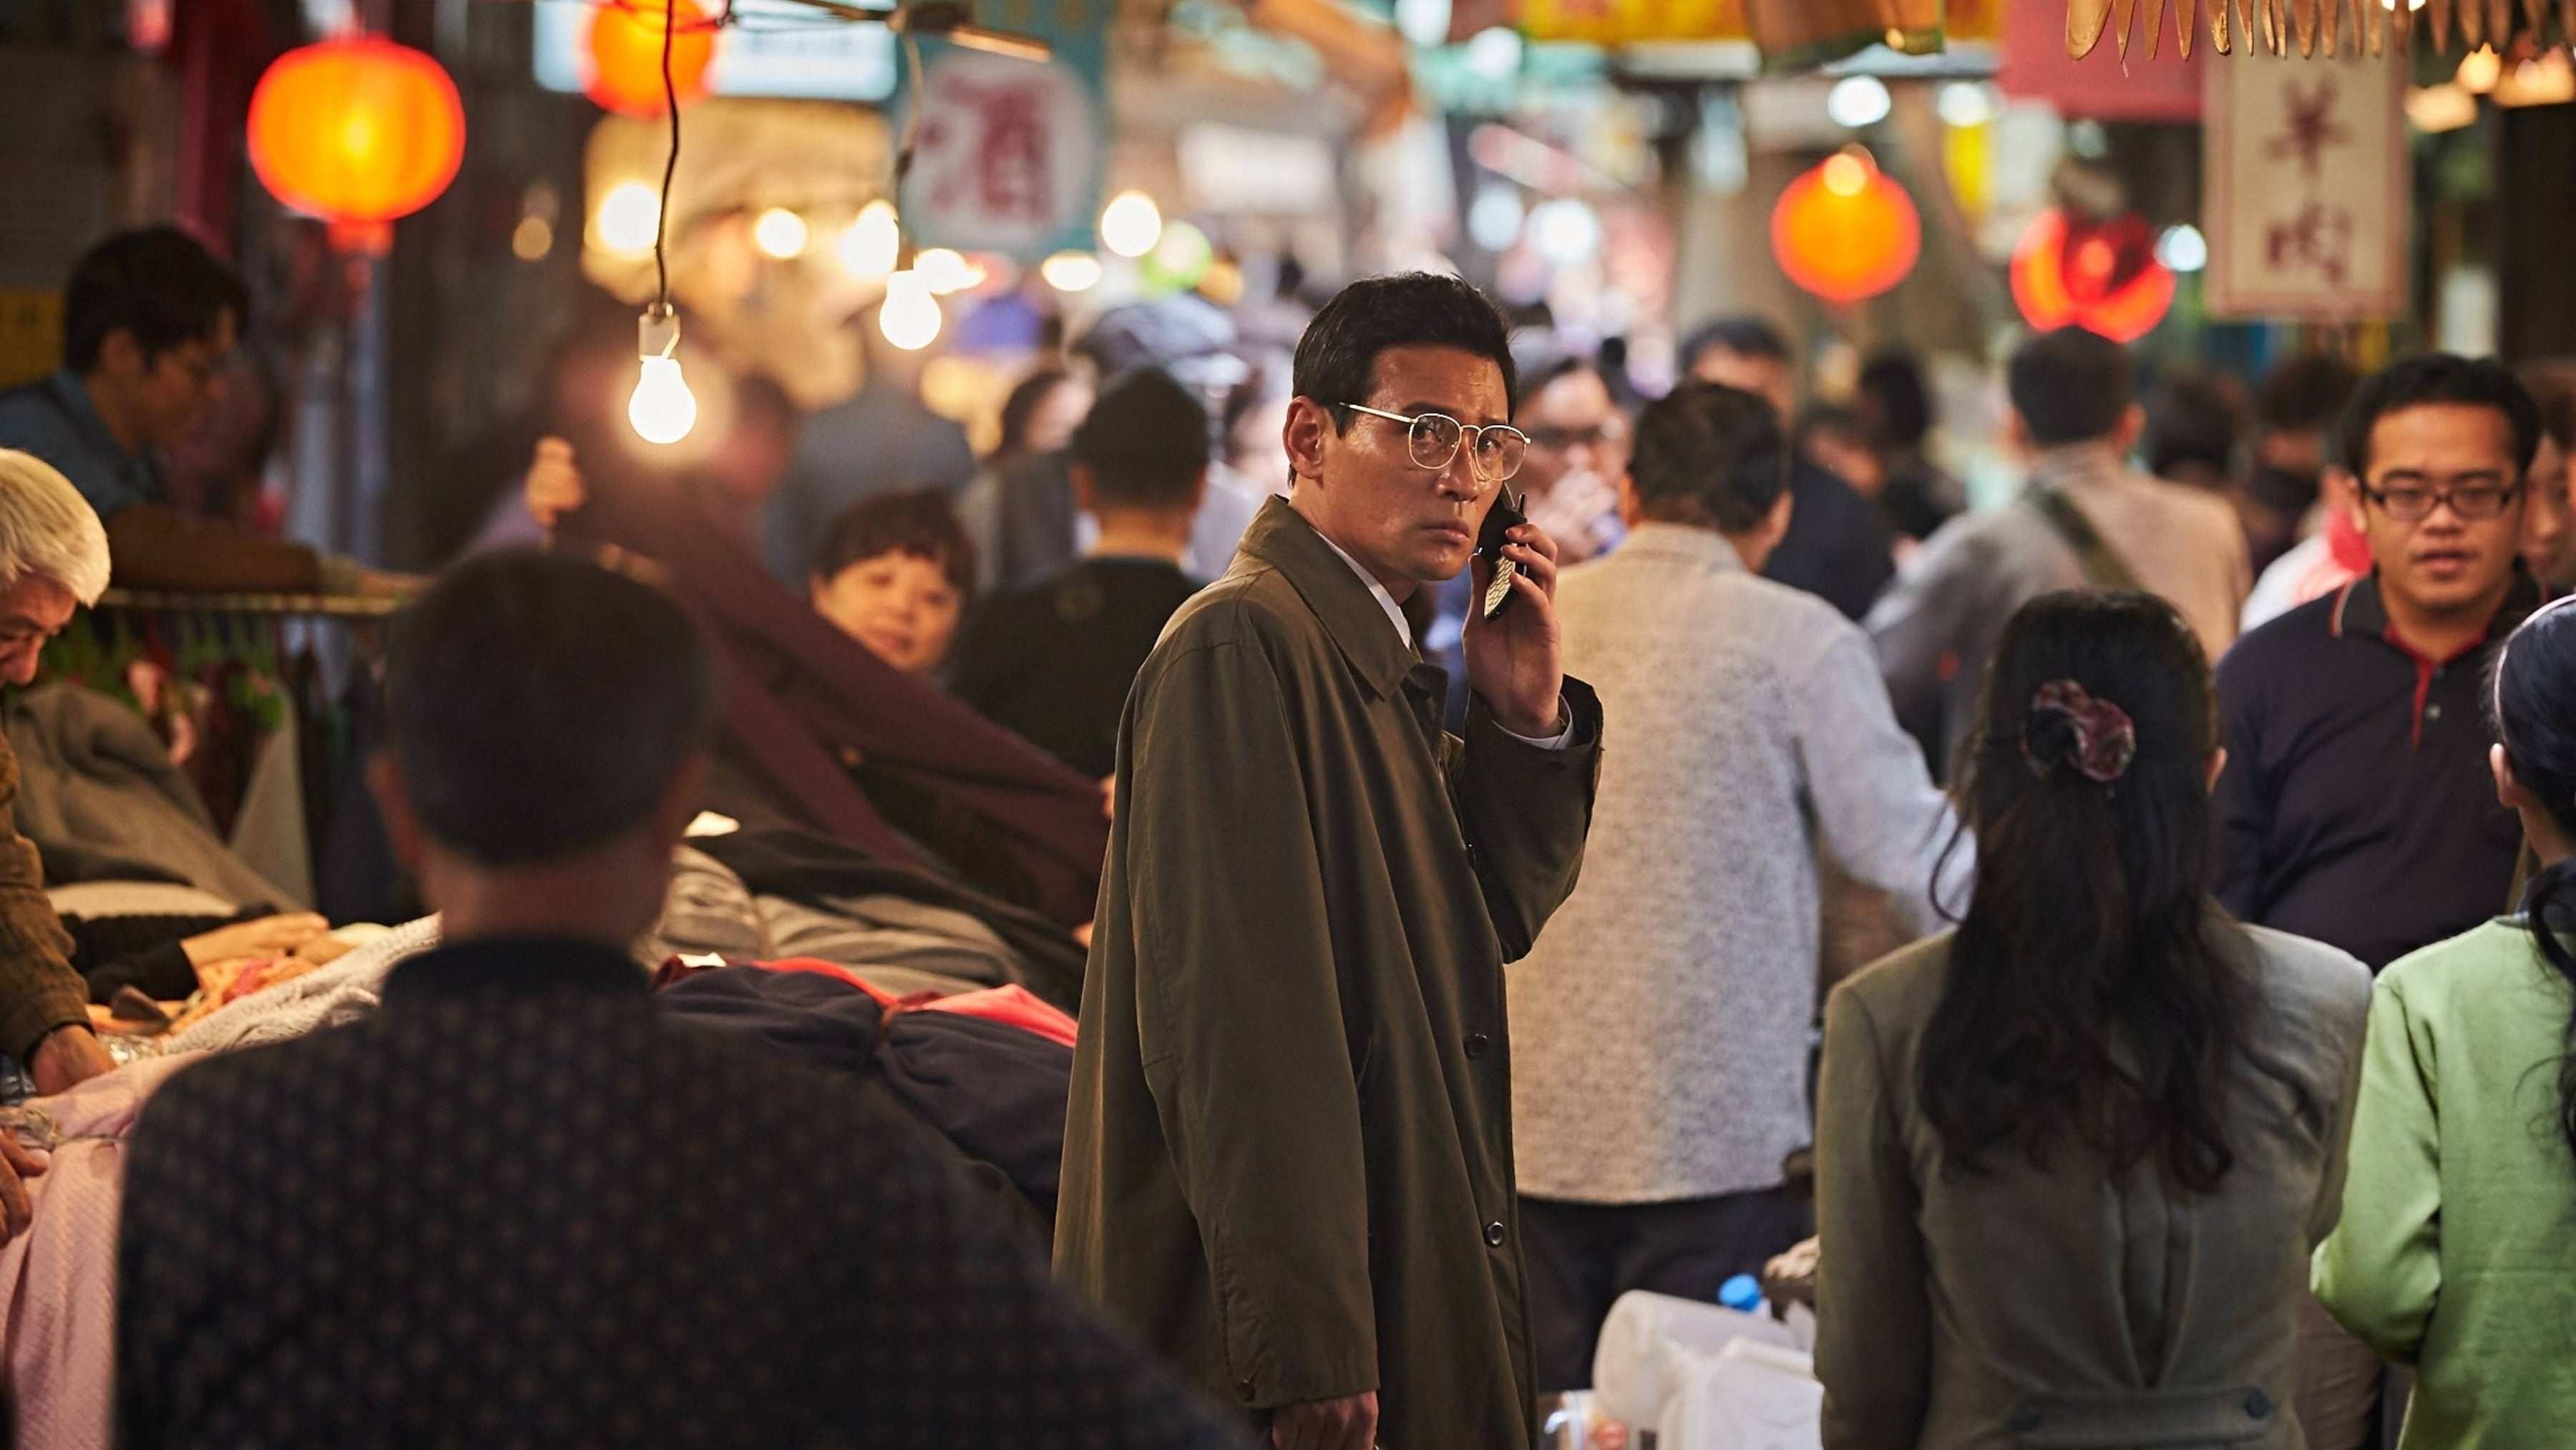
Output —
<point x="1011" y="152"/>
<point x="2308" y="198"/>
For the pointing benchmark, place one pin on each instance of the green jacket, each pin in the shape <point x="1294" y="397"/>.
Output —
<point x="2454" y="1253"/>
<point x="1288" y="1162"/>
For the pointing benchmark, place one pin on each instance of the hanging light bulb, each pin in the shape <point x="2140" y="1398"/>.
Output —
<point x="909" y="317"/>
<point x="780" y="233"/>
<point x="1131" y="224"/>
<point x="628" y="216"/>
<point x="663" y="410"/>
<point x="944" y="271"/>
<point x="871" y="245"/>
<point x="1071" y="271"/>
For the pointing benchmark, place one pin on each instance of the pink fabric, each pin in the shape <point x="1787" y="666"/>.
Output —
<point x="1014" y="1005"/>
<point x="58" y="1279"/>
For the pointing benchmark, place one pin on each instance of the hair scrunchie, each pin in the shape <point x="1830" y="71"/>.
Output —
<point x="2099" y="738"/>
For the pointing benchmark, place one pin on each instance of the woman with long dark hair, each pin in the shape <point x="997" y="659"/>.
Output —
<point x="2455" y="1253"/>
<point x="2072" y="1156"/>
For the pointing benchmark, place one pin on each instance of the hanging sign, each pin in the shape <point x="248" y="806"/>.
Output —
<point x="1010" y="153"/>
<point x="2308" y="203"/>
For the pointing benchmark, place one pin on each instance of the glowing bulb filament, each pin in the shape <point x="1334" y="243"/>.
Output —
<point x="663" y="409"/>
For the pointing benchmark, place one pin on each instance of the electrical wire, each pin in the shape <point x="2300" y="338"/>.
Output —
<point x="671" y="165"/>
<point x="913" y="107"/>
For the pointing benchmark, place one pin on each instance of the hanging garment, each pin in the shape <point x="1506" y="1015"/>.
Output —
<point x="101" y="800"/>
<point x="269" y="834"/>
<point x="797" y="693"/>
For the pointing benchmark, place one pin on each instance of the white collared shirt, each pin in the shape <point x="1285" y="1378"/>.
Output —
<point x="1404" y="631"/>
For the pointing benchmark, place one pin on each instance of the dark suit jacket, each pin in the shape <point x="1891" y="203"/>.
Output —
<point x="1838" y="546"/>
<point x="518" y="1207"/>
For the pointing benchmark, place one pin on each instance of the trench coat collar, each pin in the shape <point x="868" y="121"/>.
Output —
<point x="1281" y="538"/>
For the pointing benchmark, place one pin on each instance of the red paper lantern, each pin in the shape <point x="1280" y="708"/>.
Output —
<point x="358" y="132"/>
<point x="2102" y="276"/>
<point x="1844" y="231"/>
<point x="626" y="54"/>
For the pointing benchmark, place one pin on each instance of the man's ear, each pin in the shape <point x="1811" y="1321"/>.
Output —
<point x="1086" y="488"/>
<point x="1310" y="425"/>
<point x="2133" y="426"/>
<point x="402" y="824"/>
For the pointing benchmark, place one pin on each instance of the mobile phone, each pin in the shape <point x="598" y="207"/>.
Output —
<point x="1500" y="520"/>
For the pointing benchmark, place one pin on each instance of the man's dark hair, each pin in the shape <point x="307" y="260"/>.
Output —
<point x="1745" y="336"/>
<point x="1893" y="394"/>
<point x="2304" y="394"/>
<point x="1557" y="370"/>
<point x="1146" y="442"/>
<point x="2435" y="379"/>
<point x="1827" y="421"/>
<point x="1709" y="455"/>
<point x="538" y="705"/>
<point x="1336" y="360"/>
<point x="2192" y="420"/>
<point x="159" y="284"/>
<point x="920" y="522"/>
<point x="2070" y="386"/>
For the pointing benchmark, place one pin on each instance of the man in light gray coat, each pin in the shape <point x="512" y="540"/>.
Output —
<point x="1660" y="1027"/>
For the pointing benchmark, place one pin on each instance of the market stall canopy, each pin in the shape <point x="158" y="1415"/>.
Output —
<point x="2322" y="27"/>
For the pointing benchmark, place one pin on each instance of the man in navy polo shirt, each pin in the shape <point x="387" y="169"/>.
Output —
<point x="2356" y="806"/>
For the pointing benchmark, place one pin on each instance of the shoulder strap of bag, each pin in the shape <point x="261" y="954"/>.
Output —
<point x="2103" y="569"/>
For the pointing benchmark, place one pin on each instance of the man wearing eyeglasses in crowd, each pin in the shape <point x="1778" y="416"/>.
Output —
<point x="1578" y="447"/>
<point x="1288" y="1157"/>
<point x="2357" y="806"/>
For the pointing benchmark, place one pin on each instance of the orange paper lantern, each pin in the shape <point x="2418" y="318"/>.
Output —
<point x="2102" y="276"/>
<point x="358" y="132"/>
<point x="1844" y="231"/>
<point x="626" y="54"/>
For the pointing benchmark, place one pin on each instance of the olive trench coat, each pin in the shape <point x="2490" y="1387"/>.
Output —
<point x="1288" y="1164"/>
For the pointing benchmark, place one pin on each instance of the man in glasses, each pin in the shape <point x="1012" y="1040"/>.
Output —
<point x="1578" y="447"/>
<point x="2357" y="806"/>
<point x="150" y="318"/>
<point x="1288" y="1159"/>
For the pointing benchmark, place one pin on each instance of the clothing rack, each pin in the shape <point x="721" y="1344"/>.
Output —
<point x="306" y="606"/>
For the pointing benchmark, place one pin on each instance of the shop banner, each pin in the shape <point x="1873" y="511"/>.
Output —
<point x="2308" y="203"/>
<point x="1010" y="155"/>
<point x="2153" y="82"/>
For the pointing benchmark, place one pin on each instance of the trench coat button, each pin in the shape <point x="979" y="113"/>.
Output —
<point x="2259" y="1405"/>
<point x="1477" y="1042"/>
<point x="1243" y="1388"/>
<point x="1494" y="1233"/>
<point x="2025" y="1418"/>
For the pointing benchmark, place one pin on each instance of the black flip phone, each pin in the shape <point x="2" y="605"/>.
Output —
<point x="1501" y="519"/>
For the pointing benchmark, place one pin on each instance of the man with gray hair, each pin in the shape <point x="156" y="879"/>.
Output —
<point x="53" y="559"/>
